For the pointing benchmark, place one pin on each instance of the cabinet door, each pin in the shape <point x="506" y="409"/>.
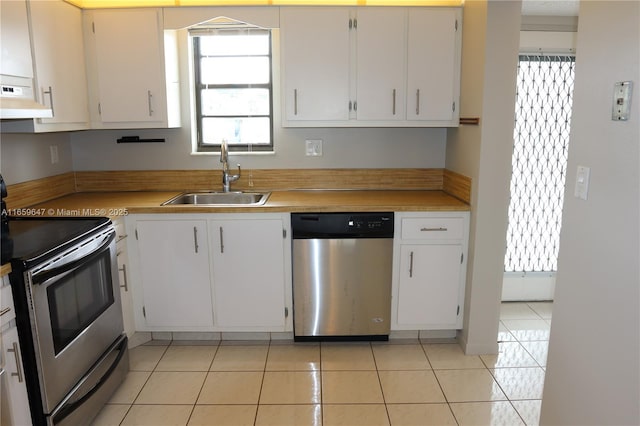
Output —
<point x="433" y="65"/>
<point x="315" y="58"/>
<point x="248" y="277"/>
<point x="429" y="285"/>
<point x="130" y="65"/>
<point x="15" y="56"/>
<point x="174" y="269"/>
<point x="15" y="402"/>
<point x="381" y="63"/>
<point x="125" y="288"/>
<point x="59" y="57"/>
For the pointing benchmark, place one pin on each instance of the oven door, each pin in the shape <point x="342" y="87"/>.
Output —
<point x="75" y="313"/>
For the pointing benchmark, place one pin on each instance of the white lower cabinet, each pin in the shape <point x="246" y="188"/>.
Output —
<point x="248" y="274"/>
<point x="173" y="258"/>
<point x="13" y="391"/>
<point x="430" y="252"/>
<point x="126" y="297"/>
<point x="210" y="272"/>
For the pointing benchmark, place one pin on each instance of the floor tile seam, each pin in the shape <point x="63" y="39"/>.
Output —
<point x="264" y="372"/>
<point x="505" y="393"/>
<point x="424" y="351"/>
<point x="405" y="369"/>
<point x="534" y="310"/>
<point x="444" y="395"/>
<point x="237" y="371"/>
<point x="534" y="358"/>
<point x="461" y="368"/>
<point x="493" y="377"/>
<point x="141" y="388"/>
<point x="384" y="399"/>
<point x="160" y="358"/>
<point x="204" y="382"/>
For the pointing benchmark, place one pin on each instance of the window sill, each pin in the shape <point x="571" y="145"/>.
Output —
<point x="233" y="154"/>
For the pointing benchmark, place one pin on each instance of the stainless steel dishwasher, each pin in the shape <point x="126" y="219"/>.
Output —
<point x="342" y="267"/>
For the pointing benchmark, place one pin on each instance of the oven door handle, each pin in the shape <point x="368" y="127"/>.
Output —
<point x="72" y="402"/>
<point x="45" y="274"/>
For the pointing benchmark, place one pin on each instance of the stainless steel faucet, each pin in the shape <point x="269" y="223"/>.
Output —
<point x="224" y="159"/>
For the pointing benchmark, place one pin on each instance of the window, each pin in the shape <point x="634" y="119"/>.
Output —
<point x="539" y="164"/>
<point x="233" y="88"/>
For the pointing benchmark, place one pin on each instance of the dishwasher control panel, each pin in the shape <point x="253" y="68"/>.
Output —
<point x="342" y="225"/>
<point x="378" y="222"/>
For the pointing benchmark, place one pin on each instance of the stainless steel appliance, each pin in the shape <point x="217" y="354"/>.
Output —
<point x="65" y="285"/>
<point x="342" y="268"/>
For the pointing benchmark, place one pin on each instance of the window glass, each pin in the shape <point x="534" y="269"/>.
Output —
<point x="233" y="89"/>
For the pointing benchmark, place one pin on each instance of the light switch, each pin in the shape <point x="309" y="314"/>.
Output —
<point x="313" y="147"/>
<point x="621" y="100"/>
<point x="582" y="182"/>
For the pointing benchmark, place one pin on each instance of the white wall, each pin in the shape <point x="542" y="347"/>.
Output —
<point x="25" y="157"/>
<point x="593" y="367"/>
<point x="342" y="148"/>
<point x="489" y="58"/>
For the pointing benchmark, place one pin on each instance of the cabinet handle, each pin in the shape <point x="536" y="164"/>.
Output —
<point x="16" y="354"/>
<point x="418" y="102"/>
<point x="149" y="96"/>
<point x="411" y="265"/>
<point x="295" y="101"/>
<point x="221" y="240"/>
<point x="394" y="101"/>
<point x="5" y="311"/>
<point x="441" y="229"/>
<point x="195" y="238"/>
<point x="50" y="93"/>
<point x="124" y="274"/>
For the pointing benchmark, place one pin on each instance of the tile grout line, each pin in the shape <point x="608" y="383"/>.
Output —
<point x="195" y="403"/>
<point x="384" y="400"/>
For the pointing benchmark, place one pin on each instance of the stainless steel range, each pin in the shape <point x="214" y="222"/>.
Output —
<point x="65" y="285"/>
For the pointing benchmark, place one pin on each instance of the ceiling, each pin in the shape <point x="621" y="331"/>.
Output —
<point x="550" y="7"/>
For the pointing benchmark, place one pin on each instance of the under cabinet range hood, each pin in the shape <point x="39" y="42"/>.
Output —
<point x="17" y="99"/>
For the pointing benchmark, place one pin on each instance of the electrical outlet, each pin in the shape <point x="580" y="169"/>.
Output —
<point x="53" y="150"/>
<point x="313" y="147"/>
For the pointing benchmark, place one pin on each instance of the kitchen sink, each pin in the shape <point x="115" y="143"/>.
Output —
<point x="219" y="199"/>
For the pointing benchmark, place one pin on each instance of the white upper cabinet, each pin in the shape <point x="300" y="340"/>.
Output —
<point x="61" y="80"/>
<point x="316" y="62"/>
<point x="60" y="70"/>
<point x="131" y="79"/>
<point x="15" y="56"/>
<point x="400" y="66"/>
<point x="433" y="65"/>
<point x="381" y="63"/>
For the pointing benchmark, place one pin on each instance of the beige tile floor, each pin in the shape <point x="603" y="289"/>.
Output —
<point x="351" y="384"/>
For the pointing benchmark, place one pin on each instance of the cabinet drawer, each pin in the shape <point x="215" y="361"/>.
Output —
<point x="433" y="228"/>
<point x="7" y="313"/>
